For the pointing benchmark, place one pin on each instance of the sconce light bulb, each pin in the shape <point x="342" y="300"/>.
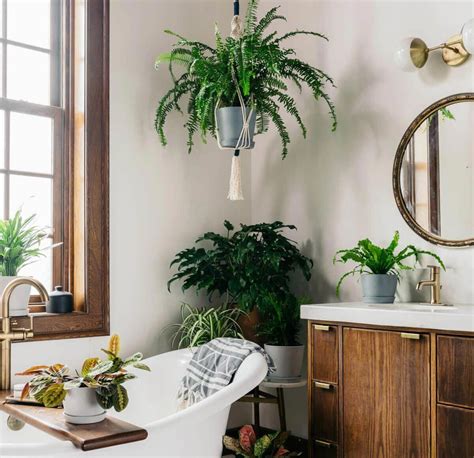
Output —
<point x="411" y="54"/>
<point x="467" y="33"/>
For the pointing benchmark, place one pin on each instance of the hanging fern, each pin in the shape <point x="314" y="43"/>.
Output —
<point x="258" y="63"/>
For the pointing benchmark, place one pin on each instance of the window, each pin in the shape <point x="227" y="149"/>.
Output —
<point x="32" y="122"/>
<point x="54" y="148"/>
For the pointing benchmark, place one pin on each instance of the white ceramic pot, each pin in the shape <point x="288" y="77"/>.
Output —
<point x="19" y="299"/>
<point x="81" y="407"/>
<point x="288" y="360"/>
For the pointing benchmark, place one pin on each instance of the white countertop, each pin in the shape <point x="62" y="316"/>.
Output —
<point x="409" y="315"/>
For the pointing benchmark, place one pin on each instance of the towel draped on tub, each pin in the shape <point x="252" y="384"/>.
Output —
<point x="213" y="366"/>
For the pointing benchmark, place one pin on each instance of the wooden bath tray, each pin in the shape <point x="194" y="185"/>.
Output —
<point x="107" y="433"/>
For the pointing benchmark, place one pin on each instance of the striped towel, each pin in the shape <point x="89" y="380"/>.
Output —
<point x="213" y="366"/>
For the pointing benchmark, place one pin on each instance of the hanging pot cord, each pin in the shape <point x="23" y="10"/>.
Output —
<point x="245" y="140"/>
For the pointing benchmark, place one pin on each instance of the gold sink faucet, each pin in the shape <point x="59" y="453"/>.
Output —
<point x="434" y="282"/>
<point x="9" y="335"/>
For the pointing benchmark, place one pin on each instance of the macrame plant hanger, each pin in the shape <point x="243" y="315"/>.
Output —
<point x="245" y="140"/>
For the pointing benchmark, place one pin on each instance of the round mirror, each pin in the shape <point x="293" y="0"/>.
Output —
<point x="433" y="173"/>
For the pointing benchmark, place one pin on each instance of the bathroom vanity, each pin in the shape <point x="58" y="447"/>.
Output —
<point x="390" y="380"/>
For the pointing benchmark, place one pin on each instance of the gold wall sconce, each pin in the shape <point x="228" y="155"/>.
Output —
<point x="413" y="52"/>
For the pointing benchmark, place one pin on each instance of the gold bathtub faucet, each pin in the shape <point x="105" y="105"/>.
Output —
<point x="9" y="335"/>
<point x="434" y="283"/>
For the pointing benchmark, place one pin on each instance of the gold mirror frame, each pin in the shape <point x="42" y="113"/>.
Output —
<point x="397" y="167"/>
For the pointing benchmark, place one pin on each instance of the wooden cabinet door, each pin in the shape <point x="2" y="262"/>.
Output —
<point x="455" y="432"/>
<point x="386" y="394"/>
<point x="455" y="370"/>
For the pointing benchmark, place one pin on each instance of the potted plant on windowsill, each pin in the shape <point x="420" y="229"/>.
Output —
<point x="379" y="267"/>
<point x="279" y="329"/>
<point x="253" y="69"/>
<point x="20" y="245"/>
<point x="87" y="394"/>
<point x="243" y="267"/>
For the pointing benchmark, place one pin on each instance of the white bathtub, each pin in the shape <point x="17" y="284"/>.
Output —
<point x="196" y="431"/>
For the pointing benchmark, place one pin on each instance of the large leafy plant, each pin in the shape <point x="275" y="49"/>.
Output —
<point x="248" y="446"/>
<point x="50" y="384"/>
<point x="246" y="266"/>
<point x="257" y="62"/>
<point x="20" y="243"/>
<point x="201" y="325"/>
<point x="372" y="259"/>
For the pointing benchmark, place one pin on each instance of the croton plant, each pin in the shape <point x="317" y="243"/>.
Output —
<point x="50" y="384"/>
<point x="247" y="445"/>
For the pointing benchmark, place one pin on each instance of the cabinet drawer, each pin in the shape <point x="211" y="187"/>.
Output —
<point x="322" y="449"/>
<point x="325" y="412"/>
<point x="325" y="352"/>
<point x="455" y="432"/>
<point x="455" y="370"/>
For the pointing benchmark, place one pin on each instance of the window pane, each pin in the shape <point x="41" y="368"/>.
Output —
<point x="2" y="143"/>
<point x="1" y="70"/>
<point x="42" y="267"/>
<point x="29" y="21"/>
<point x="28" y="75"/>
<point x="34" y="196"/>
<point x="2" y="195"/>
<point x="30" y="143"/>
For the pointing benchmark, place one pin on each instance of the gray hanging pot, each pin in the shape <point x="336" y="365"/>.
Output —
<point x="229" y="123"/>
<point x="379" y="288"/>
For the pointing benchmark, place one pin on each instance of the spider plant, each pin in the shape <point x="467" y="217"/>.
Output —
<point x="372" y="259"/>
<point x="20" y="243"/>
<point x="201" y="325"/>
<point x="257" y="62"/>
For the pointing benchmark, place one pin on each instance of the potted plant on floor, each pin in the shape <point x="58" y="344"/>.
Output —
<point x="20" y="245"/>
<point x="243" y="267"/>
<point x="243" y="77"/>
<point x="379" y="267"/>
<point x="87" y="394"/>
<point x="201" y="325"/>
<point x="249" y="446"/>
<point x="279" y="329"/>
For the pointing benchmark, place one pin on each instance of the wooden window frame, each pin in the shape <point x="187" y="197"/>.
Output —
<point x="85" y="254"/>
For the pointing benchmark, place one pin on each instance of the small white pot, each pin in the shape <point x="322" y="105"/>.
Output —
<point x="81" y="407"/>
<point x="288" y="360"/>
<point x="19" y="299"/>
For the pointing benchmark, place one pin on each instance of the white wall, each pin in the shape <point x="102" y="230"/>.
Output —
<point x="336" y="187"/>
<point x="160" y="199"/>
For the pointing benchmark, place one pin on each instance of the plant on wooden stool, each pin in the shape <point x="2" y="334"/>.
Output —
<point x="243" y="266"/>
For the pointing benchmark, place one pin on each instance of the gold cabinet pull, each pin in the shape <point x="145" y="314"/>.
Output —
<point x="410" y="335"/>
<point x="322" y="385"/>
<point x="325" y="444"/>
<point x="321" y="327"/>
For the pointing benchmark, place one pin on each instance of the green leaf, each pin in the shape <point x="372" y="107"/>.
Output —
<point x="142" y="366"/>
<point x="120" y="398"/>
<point x="100" y="368"/>
<point x="262" y="445"/>
<point x="54" y="395"/>
<point x="131" y="360"/>
<point x="88" y="364"/>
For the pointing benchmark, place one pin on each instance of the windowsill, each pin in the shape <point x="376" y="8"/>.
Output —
<point x="52" y="326"/>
